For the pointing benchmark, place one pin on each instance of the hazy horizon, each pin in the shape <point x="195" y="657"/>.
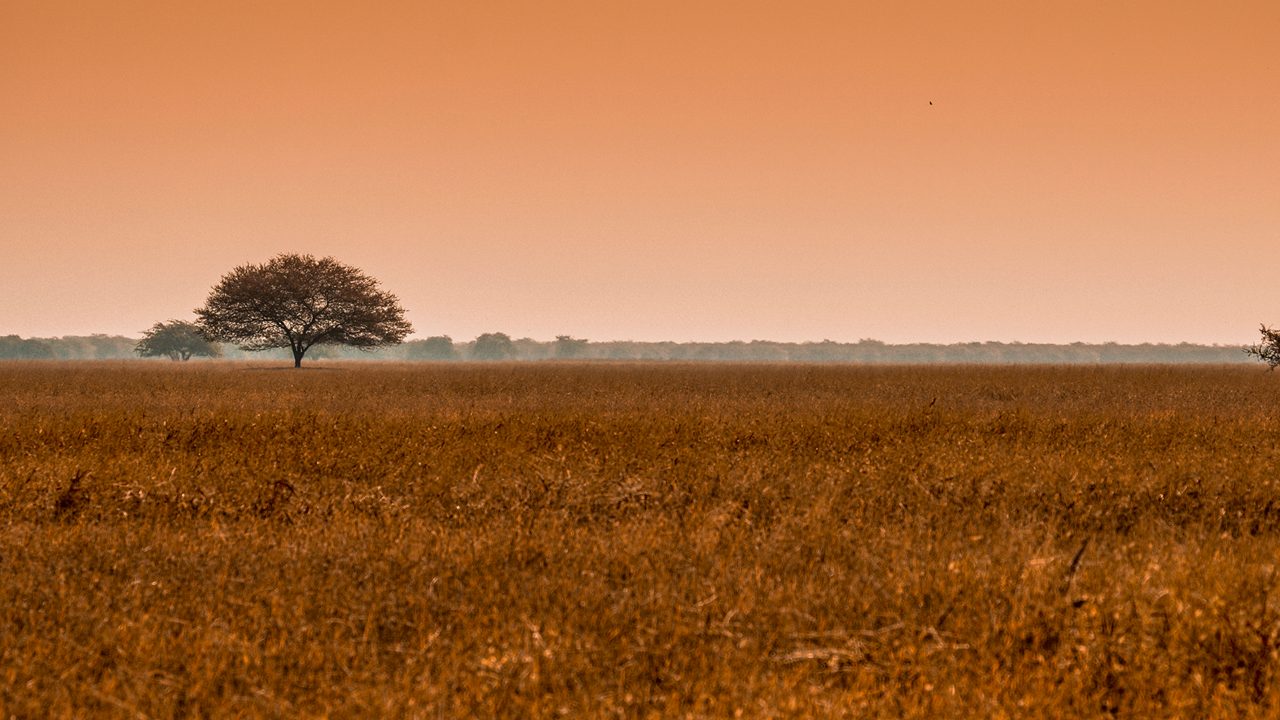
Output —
<point x="696" y="341"/>
<point x="686" y="171"/>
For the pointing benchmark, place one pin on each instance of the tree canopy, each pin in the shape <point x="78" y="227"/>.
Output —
<point x="1268" y="351"/>
<point x="298" y="301"/>
<point x="176" y="340"/>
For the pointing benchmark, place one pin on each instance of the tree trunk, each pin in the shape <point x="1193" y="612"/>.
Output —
<point x="297" y="358"/>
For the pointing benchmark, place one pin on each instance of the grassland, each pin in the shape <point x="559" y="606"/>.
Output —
<point x="638" y="541"/>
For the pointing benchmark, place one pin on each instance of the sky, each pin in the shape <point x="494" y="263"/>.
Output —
<point x="910" y="171"/>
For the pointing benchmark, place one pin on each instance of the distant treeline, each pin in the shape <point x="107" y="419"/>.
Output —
<point x="71" y="347"/>
<point x="498" y="346"/>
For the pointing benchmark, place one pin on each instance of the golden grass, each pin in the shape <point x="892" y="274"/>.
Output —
<point x="638" y="541"/>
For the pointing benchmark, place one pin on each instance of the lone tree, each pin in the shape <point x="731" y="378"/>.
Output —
<point x="296" y="302"/>
<point x="176" y="340"/>
<point x="1268" y="351"/>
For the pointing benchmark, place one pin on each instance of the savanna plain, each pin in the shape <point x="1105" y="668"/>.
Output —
<point x="228" y="539"/>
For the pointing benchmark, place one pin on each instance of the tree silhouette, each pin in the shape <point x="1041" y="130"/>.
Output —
<point x="1268" y="351"/>
<point x="297" y="302"/>
<point x="176" y="340"/>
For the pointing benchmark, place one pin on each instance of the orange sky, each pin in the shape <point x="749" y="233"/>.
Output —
<point x="628" y="169"/>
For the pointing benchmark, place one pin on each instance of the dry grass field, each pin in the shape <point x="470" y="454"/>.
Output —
<point x="354" y="540"/>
